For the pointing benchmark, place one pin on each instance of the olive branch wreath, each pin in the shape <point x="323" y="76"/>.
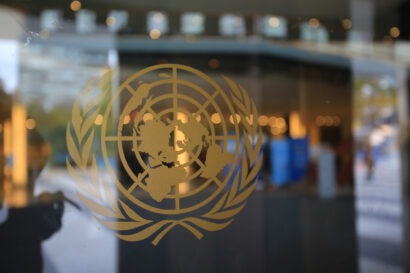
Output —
<point x="99" y="195"/>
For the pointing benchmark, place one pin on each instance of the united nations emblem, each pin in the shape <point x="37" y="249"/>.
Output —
<point x="188" y="152"/>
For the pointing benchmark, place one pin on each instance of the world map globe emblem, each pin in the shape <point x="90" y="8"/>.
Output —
<point x="173" y="128"/>
<point x="187" y="149"/>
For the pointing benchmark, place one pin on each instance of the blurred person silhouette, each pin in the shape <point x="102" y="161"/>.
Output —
<point x="344" y="153"/>
<point x="369" y="160"/>
<point x="371" y="151"/>
<point x="23" y="229"/>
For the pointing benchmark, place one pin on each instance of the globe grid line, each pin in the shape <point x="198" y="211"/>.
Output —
<point x="132" y="138"/>
<point x="130" y="89"/>
<point x="209" y="100"/>
<point x="117" y="215"/>
<point x="216" y="87"/>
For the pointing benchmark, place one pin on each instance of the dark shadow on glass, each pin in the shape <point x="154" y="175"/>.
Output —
<point x="23" y="229"/>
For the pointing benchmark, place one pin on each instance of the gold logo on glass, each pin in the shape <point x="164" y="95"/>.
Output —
<point x="182" y="152"/>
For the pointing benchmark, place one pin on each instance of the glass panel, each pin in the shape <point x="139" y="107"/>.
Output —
<point x="204" y="137"/>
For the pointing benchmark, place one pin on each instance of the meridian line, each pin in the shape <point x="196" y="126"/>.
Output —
<point x="156" y="117"/>
<point x="136" y="183"/>
<point x="122" y="138"/>
<point x="177" y="203"/>
<point x="208" y="101"/>
<point x="130" y="89"/>
<point x="199" y="162"/>
<point x="175" y="91"/>
<point x="175" y="106"/>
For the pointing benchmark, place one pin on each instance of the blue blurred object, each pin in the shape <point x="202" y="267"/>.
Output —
<point x="280" y="161"/>
<point x="299" y="157"/>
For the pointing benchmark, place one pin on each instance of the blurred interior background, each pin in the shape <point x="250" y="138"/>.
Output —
<point x="330" y="81"/>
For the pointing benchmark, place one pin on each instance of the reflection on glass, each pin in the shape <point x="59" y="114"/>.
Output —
<point x="330" y="86"/>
